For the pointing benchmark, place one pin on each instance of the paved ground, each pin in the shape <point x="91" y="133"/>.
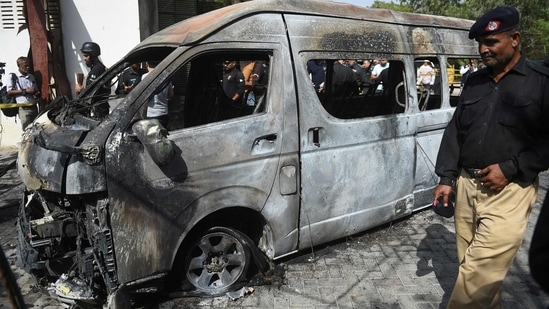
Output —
<point x="407" y="264"/>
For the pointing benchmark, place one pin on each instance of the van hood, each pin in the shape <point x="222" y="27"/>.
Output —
<point x="50" y="158"/>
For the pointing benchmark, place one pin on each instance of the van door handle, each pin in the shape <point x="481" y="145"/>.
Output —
<point x="264" y="144"/>
<point x="314" y="136"/>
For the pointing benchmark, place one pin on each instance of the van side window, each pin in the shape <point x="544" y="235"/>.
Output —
<point x="463" y="67"/>
<point x="429" y="83"/>
<point x="218" y="86"/>
<point x="351" y="88"/>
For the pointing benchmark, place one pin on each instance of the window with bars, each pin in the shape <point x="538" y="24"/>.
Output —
<point x="11" y="14"/>
<point x="173" y="11"/>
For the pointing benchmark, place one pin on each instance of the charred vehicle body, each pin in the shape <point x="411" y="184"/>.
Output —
<point x="122" y="206"/>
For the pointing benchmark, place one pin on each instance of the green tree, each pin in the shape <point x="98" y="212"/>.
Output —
<point x="379" y="4"/>
<point x="534" y="22"/>
<point x="435" y="7"/>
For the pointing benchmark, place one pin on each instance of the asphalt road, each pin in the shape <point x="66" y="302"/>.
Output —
<point x="407" y="264"/>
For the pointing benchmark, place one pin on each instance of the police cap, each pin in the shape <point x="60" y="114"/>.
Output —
<point x="500" y="19"/>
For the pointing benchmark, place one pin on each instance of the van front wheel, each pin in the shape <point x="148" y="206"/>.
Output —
<point x="218" y="261"/>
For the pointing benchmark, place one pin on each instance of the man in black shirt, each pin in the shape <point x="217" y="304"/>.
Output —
<point x="129" y="79"/>
<point x="343" y="83"/>
<point x="91" y="51"/>
<point x="492" y="151"/>
<point x="233" y="82"/>
<point x="317" y="70"/>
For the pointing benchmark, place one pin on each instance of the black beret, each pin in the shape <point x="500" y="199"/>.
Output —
<point x="500" y="19"/>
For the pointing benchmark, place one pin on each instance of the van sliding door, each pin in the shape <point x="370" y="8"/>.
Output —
<point x="357" y="149"/>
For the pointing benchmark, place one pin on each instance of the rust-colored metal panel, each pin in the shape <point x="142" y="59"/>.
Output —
<point x="48" y="63"/>
<point x="39" y="44"/>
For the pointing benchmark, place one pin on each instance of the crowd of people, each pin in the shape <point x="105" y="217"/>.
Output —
<point x="470" y="66"/>
<point x="245" y="87"/>
<point x="368" y="75"/>
<point x="26" y="91"/>
<point x="364" y="76"/>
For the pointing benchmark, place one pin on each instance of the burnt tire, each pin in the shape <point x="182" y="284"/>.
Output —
<point x="218" y="261"/>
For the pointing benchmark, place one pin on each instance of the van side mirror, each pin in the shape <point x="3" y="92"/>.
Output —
<point x="153" y="136"/>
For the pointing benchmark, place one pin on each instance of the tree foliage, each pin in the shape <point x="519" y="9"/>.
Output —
<point x="534" y="17"/>
<point x="392" y="6"/>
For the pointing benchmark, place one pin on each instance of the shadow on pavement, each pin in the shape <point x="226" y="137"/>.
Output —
<point x="434" y="256"/>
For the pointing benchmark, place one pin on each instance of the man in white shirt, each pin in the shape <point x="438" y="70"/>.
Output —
<point x="158" y="105"/>
<point x="376" y="73"/>
<point x="25" y="90"/>
<point x="427" y="75"/>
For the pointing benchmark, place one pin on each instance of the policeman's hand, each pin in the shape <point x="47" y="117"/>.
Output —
<point x="443" y="191"/>
<point x="127" y="88"/>
<point x="78" y="88"/>
<point x="493" y="178"/>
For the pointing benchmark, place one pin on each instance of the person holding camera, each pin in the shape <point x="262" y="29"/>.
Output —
<point x="25" y="90"/>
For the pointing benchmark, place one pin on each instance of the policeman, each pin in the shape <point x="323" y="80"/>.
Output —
<point x="492" y="151"/>
<point x="233" y="82"/>
<point x="129" y="78"/>
<point x="91" y="51"/>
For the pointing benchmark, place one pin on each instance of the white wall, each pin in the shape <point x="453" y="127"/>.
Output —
<point x="113" y="24"/>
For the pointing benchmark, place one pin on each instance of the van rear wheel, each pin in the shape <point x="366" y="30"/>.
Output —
<point x="218" y="261"/>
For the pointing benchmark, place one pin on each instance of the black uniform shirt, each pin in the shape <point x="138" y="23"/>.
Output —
<point x="128" y="78"/>
<point x="505" y="123"/>
<point x="102" y="93"/>
<point x="233" y="82"/>
<point x="96" y="70"/>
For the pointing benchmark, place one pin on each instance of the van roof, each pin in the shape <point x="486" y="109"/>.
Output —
<point x="194" y="29"/>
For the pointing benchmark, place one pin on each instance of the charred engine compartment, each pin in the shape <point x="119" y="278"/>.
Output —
<point x="66" y="243"/>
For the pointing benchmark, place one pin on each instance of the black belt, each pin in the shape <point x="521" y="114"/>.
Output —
<point x="473" y="172"/>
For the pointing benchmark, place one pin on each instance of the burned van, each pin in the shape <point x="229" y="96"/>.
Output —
<point x="317" y="145"/>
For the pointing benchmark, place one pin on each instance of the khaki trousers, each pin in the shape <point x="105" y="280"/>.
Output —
<point x="489" y="230"/>
<point x="27" y="115"/>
